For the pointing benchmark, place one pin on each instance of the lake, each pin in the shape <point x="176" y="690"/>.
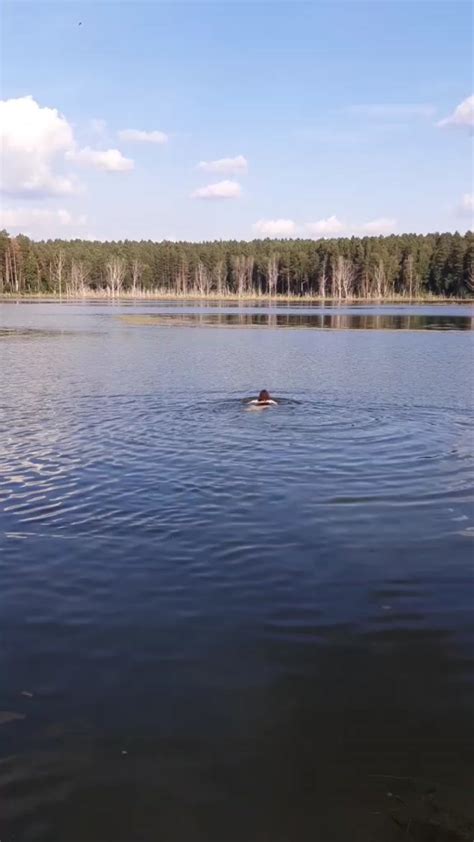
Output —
<point x="219" y="625"/>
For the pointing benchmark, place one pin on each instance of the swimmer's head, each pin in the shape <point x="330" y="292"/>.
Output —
<point x="264" y="396"/>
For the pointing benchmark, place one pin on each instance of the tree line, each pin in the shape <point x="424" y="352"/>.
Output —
<point x="409" y="265"/>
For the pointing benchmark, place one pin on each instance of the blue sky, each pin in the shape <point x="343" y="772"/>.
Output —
<point x="334" y="107"/>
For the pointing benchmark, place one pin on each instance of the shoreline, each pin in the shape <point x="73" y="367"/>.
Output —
<point x="231" y="298"/>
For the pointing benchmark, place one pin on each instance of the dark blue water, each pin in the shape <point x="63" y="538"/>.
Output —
<point x="226" y="625"/>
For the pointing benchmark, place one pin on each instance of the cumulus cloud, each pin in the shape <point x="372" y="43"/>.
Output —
<point x="393" y="111"/>
<point x="225" y="165"/>
<point x="325" y="227"/>
<point x="466" y="205"/>
<point x="110" y="160"/>
<point x="219" y="190"/>
<point x="37" y="145"/>
<point x="139" y="136"/>
<point x="39" y="221"/>
<point x="275" y="227"/>
<point x="33" y="140"/>
<point x="463" y="115"/>
<point x="332" y="226"/>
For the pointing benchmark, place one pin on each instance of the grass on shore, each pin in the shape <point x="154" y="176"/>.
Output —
<point x="164" y="295"/>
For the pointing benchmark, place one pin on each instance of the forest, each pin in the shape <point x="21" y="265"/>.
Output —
<point x="410" y="265"/>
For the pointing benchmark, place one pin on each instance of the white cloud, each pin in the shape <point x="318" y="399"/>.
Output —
<point x="225" y="165"/>
<point x="463" y="114"/>
<point x="466" y="205"/>
<point x="33" y="139"/>
<point x="37" y="143"/>
<point x="393" y="111"/>
<point x="220" y="190"/>
<point x="325" y="227"/>
<point x="110" y="160"/>
<point x="332" y="226"/>
<point x="275" y="227"/>
<point x="139" y="136"/>
<point x="40" y="222"/>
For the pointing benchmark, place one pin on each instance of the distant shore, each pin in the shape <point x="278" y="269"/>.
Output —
<point x="405" y="267"/>
<point x="233" y="298"/>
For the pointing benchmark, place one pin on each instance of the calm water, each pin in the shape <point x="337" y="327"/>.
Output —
<point x="228" y="626"/>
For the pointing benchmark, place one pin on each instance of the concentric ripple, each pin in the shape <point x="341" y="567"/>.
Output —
<point x="68" y="471"/>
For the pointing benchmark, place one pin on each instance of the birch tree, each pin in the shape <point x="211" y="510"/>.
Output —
<point x="337" y="277"/>
<point x="379" y="278"/>
<point x="347" y="276"/>
<point x="272" y="274"/>
<point x="137" y="269"/>
<point x="322" y="278"/>
<point x="79" y="275"/>
<point x="57" y="271"/>
<point x="202" y="279"/>
<point x="115" y="269"/>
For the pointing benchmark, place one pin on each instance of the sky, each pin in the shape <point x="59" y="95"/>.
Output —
<point x="202" y="121"/>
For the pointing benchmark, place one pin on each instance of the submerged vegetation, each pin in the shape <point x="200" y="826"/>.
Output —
<point x="407" y="266"/>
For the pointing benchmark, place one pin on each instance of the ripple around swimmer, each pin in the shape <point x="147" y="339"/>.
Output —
<point x="150" y="475"/>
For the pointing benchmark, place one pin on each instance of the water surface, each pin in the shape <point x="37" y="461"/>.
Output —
<point x="234" y="626"/>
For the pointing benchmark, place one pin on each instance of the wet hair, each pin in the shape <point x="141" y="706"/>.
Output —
<point x="264" y="396"/>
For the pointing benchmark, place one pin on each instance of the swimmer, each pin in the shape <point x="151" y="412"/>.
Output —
<point x="264" y="399"/>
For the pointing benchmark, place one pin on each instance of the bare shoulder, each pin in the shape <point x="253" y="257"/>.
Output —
<point x="262" y="404"/>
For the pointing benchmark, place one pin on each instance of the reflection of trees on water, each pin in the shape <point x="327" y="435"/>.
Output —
<point x="332" y="321"/>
